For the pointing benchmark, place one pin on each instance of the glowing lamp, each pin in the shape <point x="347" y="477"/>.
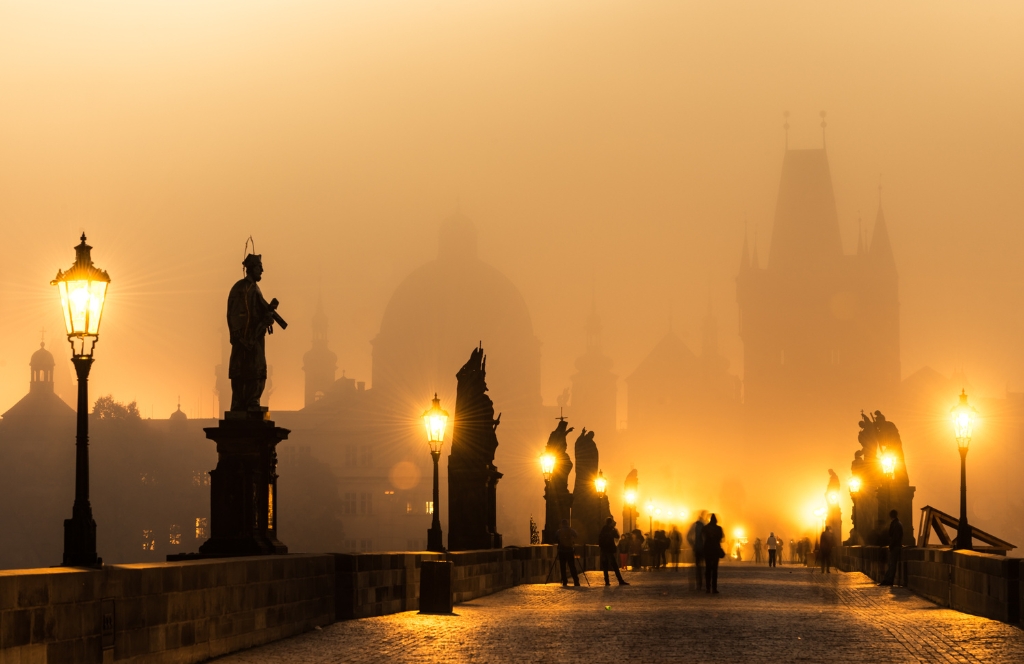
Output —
<point x="820" y="512"/>
<point x="889" y="465"/>
<point x="854" y="484"/>
<point x="631" y="497"/>
<point x="833" y="497"/>
<point x="650" y="507"/>
<point x="964" y="417"/>
<point x="600" y="484"/>
<point x="83" y="290"/>
<point x="547" y="465"/>
<point x="435" y="419"/>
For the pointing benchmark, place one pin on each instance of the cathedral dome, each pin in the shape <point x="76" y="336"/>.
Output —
<point x="178" y="415"/>
<point x="443" y="310"/>
<point x="42" y="359"/>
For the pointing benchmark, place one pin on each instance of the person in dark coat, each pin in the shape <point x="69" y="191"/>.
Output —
<point x="828" y="542"/>
<point x="695" y="538"/>
<point x="895" y="549"/>
<point x="713" y="552"/>
<point x="606" y="542"/>
<point x="567" y="553"/>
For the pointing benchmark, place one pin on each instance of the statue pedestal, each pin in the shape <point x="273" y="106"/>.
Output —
<point x="243" y="487"/>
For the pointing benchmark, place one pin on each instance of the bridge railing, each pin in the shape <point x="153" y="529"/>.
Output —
<point x="981" y="584"/>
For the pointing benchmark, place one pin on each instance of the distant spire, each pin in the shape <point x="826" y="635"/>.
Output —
<point x="881" y="247"/>
<point x="785" y="126"/>
<point x="755" y="261"/>
<point x="745" y="254"/>
<point x="823" y="125"/>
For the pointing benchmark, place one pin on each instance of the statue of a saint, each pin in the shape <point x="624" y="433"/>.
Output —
<point x="250" y="319"/>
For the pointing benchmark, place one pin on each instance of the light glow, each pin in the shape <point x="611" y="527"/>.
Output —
<point x="547" y="465"/>
<point x="888" y="465"/>
<point x="631" y="497"/>
<point x="435" y="420"/>
<point x="600" y="483"/>
<point x="964" y="417"/>
<point x="854" y="483"/>
<point x="83" y="292"/>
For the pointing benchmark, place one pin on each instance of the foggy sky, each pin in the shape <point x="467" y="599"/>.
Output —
<point x="608" y="147"/>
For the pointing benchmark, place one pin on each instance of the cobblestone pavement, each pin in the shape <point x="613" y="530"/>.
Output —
<point x="786" y="614"/>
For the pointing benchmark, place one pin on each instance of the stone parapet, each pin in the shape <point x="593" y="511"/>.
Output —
<point x="981" y="584"/>
<point x="161" y="612"/>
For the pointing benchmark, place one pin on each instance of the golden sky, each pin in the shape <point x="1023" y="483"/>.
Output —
<point x="619" y="144"/>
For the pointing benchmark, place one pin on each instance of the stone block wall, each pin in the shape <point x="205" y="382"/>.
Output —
<point x="981" y="584"/>
<point x="181" y="612"/>
<point x="376" y="584"/>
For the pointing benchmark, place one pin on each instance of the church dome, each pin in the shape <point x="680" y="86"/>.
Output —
<point x="443" y="310"/>
<point x="42" y="359"/>
<point x="178" y="415"/>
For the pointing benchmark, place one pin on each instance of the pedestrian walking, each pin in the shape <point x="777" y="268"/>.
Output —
<point x="773" y="549"/>
<point x="567" y="553"/>
<point x="606" y="542"/>
<point x="695" y="538"/>
<point x="713" y="552"/>
<point x="757" y="550"/>
<point x="895" y="549"/>
<point x="675" y="539"/>
<point x="828" y="543"/>
<point x="636" y="549"/>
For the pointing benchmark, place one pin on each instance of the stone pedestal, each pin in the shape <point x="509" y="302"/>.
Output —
<point x="436" y="586"/>
<point x="243" y="486"/>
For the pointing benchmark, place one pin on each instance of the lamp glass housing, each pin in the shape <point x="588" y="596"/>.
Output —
<point x="854" y="484"/>
<point x="964" y="417"/>
<point x="600" y="483"/>
<point x="833" y="497"/>
<point x="547" y="465"/>
<point x="83" y="292"/>
<point x="631" y="497"/>
<point x="888" y="465"/>
<point x="435" y="420"/>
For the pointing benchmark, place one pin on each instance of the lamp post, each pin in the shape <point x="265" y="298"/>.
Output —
<point x="83" y="290"/>
<point x="435" y="419"/>
<point x="963" y="428"/>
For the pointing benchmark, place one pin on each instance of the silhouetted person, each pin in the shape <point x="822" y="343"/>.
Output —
<point x="660" y="546"/>
<point x="606" y="542"/>
<point x="713" y="552"/>
<point x="773" y="549"/>
<point x="895" y="549"/>
<point x="567" y="553"/>
<point x="757" y="550"/>
<point x="676" y="542"/>
<point x="624" y="544"/>
<point x="695" y="538"/>
<point x="636" y="549"/>
<point x="828" y="543"/>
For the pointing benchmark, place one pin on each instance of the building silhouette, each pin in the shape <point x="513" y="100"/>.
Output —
<point x="320" y="363"/>
<point x="820" y="328"/>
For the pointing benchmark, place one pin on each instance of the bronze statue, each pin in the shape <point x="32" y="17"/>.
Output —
<point x="250" y="319"/>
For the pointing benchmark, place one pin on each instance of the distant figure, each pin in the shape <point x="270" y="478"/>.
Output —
<point x="695" y="538"/>
<point x="636" y="549"/>
<point x="828" y="542"/>
<point x="780" y="549"/>
<point x="713" y="552"/>
<point x="805" y="549"/>
<point x="606" y="542"/>
<point x="567" y="553"/>
<point x="757" y="550"/>
<point x="661" y="544"/>
<point x="773" y="549"/>
<point x="675" y="539"/>
<point x="624" y="544"/>
<point x="895" y="549"/>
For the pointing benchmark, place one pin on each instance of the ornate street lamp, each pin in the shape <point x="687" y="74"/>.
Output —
<point x="83" y="290"/>
<point x="547" y="466"/>
<point x="435" y="419"/>
<point x="600" y="484"/>
<point x="964" y="416"/>
<point x="854" y="484"/>
<point x="888" y="466"/>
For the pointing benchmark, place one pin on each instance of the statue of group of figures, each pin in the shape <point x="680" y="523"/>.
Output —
<point x="583" y="507"/>
<point x="884" y="485"/>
